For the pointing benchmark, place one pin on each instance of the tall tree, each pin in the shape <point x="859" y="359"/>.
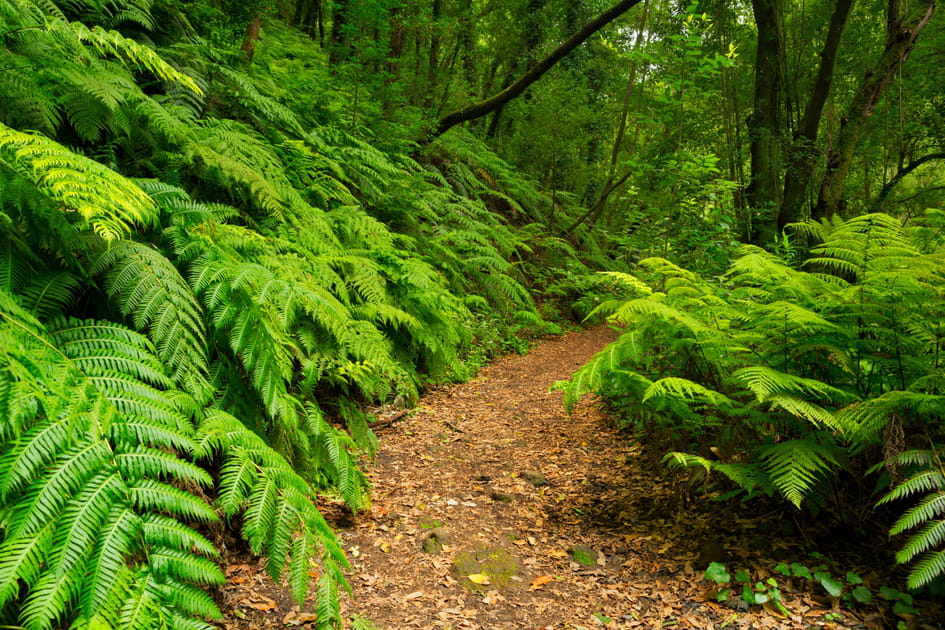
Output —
<point x="802" y="155"/>
<point x="765" y="127"/>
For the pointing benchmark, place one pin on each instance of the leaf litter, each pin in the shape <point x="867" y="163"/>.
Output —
<point x="495" y="462"/>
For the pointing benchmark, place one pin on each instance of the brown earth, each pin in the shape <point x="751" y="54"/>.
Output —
<point x="494" y="470"/>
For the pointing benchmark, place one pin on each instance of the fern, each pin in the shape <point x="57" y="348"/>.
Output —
<point x="279" y="507"/>
<point x="798" y="372"/>
<point x="927" y="478"/>
<point x="79" y="481"/>
<point x="110" y="204"/>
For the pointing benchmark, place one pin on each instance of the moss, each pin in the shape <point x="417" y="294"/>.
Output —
<point x="430" y="523"/>
<point x="494" y="562"/>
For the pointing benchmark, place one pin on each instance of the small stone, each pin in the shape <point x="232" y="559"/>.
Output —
<point x="501" y="497"/>
<point x="535" y="478"/>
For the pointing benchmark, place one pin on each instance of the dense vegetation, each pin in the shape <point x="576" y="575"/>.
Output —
<point x="226" y="227"/>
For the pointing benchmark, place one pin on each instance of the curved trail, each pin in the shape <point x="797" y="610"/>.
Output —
<point x="458" y="466"/>
<point x="457" y="460"/>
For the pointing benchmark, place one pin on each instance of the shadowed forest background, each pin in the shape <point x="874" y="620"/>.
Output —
<point x="228" y="228"/>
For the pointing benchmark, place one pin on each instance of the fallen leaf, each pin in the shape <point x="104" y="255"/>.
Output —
<point x="492" y="597"/>
<point x="478" y="578"/>
<point x="297" y="618"/>
<point x="269" y="604"/>
<point x="540" y="581"/>
<point x="413" y="595"/>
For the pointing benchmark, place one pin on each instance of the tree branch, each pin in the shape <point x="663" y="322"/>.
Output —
<point x="477" y="110"/>
<point x="901" y="174"/>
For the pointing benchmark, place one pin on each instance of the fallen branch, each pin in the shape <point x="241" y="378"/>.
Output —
<point x="388" y="421"/>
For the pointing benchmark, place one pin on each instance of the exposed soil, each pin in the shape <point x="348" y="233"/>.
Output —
<point x="580" y="531"/>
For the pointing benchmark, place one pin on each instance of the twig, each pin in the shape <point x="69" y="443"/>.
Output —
<point x="386" y="421"/>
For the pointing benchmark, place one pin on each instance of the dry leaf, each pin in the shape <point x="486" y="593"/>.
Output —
<point x="297" y="618"/>
<point x="413" y="595"/>
<point x="492" y="597"/>
<point x="269" y="604"/>
<point x="540" y="581"/>
<point x="478" y="578"/>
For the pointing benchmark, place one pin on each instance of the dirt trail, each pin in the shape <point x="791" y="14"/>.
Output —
<point x="455" y="463"/>
<point x="460" y="477"/>
<point x="465" y="447"/>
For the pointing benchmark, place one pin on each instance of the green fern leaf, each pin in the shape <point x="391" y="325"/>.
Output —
<point x="796" y="465"/>
<point x="111" y="204"/>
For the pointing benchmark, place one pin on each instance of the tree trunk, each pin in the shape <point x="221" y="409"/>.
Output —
<point x="765" y="125"/>
<point x="396" y="42"/>
<point x="802" y="156"/>
<point x="251" y="38"/>
<point x="477" y="110"/>
<point x="339" y="36"/>
<point x="900" y="39"/>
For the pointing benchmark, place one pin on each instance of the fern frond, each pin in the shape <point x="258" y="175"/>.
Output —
<point x="148" y="287"/>
<point x="796" y="465"/>
<point x="278" y="505"/>
<point x="927" y="569"/>
<point x="111" y="204"/>
<point x="681" y="388"/>
<point x="113" y="43"/>
<point x="747" y="476"/>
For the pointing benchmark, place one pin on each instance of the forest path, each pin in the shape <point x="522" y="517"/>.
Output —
<point x="451" y="481"/>
<point x="456" y="470"/>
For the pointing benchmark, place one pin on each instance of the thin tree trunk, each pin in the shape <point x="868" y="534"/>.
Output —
<point x="900" y="40"/>
<point x="477" y="110"/>
<point x="251" y="38"/>
<point x="802" y="154"/>
<point x="765" y="125"/>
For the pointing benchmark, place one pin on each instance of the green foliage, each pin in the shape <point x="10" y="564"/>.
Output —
<point x="201" y="286"/>
<point x="761" y="592"/>
<point x="926" y="479"/>
<point x="791" y="376"/>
